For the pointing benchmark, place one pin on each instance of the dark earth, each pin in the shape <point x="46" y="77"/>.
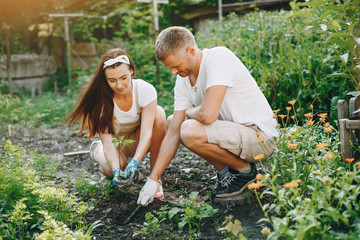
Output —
<point x="186" y="173"/>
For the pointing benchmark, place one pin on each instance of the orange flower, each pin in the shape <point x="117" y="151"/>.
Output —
<point x="349" y="160"/>
<point x="311" y="106"/>
<point x="292" y="184"/>
<point x="284" y="129"/>
<point x="292" y="117"/>
<point x="259" y="157"/>
<point x="308" y="115"/>
<point x="254" y="186"/>
<point x="292" y="145"/>
<point x="322" y="115"/>
<point x="322" y="145"/>
<point x="257" y="134"/>
<point x="276" y="111"/>
<point x="310" y="122"/>
<point x="292" y="102"/>
<point x="326" y="124"/>
<point x="260" y="140"/>
<point x="282" y="116"/>
<point x="258" y="177"/>
<point x="357" y="164"/>
<point x="328" y="130"/>
<point x="288" y="108"/>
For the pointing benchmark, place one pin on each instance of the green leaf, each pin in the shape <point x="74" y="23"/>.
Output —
<point x="337" y="75"/>
<point x="336" y="24"/>
<point x="173" y="212"/>
<point x="182" y="224"/>
<point x="292" y="5"/>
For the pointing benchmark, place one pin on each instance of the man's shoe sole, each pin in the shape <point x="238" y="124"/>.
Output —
<point x="234" y="193"/>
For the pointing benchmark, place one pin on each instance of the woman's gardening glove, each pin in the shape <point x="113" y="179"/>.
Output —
<point x="148" y="192"/>
<point x="131" y="172"/>
<point x="120" y="182"/>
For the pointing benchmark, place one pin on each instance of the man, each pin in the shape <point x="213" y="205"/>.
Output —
<point x="219" y="113"/>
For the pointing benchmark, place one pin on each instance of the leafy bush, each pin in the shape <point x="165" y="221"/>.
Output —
<point x="313" y="193"/>
<point x="286" y="61"/>
<point x="24" y="198"/>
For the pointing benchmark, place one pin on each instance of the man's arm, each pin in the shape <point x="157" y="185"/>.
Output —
<point x="169" y="145"/>
<point x="209" y="110"/>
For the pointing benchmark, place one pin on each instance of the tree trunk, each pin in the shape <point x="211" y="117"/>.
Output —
<point x="8" y="59"/>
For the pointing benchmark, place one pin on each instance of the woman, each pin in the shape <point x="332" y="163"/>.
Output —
<point x="114" y="104"/>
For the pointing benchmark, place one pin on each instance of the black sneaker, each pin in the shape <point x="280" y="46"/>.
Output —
<point x="233" y="182"/>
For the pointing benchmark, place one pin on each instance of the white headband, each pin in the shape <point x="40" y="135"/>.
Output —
<point x="112" y="61"/>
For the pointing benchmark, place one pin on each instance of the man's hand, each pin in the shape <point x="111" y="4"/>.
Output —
<point x="131" y="172"/>
<point x="121" y="182"/>
<point x="148" y="192"/>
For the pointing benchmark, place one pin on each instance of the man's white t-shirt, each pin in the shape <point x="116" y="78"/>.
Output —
<point x="146" y="93"/>
<point x="243" y="103"/>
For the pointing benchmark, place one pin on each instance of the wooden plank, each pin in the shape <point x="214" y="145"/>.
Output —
<point x="345" y="145"/>
<point x="352" y="124"/>
<point x="343" y="109"/>
<point x="354" y="105"/>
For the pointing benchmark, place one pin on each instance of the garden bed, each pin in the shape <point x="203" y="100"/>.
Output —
<point x="187" y="173"/>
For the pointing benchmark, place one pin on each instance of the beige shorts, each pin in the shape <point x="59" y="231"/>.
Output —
<point x="97" y="145"/>
<point x="240" y="140"/>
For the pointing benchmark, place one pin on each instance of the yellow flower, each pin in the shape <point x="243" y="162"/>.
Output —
<point x="288" y="108"/>
<point x="284" y="129"/>
<point x="265" y="231"/>
<point x="326" y="124"/>
<point x="282" y="116"/>
<point x="328" y="130"/>
<point x="310" y="122"/>
<point x="292" y="145"/>
<point x="258" y="177"/>
<point x="308" y="115"/>
<point x="254" y="186"/>
<point x="292" y="102"/>
<point x="349" y="160"/>
<point x="260" y="140"/>
<point x="257" y="134"/>
<point x="259" y="157"/>
<point x="311" y="106"/>
<point x="292" y="184"/>
<point x="322" y="145"/>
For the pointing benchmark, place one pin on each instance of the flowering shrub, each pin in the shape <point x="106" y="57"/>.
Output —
<point x="314" y="194"/>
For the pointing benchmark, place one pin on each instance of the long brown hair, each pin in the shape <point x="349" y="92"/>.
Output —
<point x="95" y="106"/>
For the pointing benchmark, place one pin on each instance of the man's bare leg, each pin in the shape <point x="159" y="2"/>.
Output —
<point x="194" y="137"/>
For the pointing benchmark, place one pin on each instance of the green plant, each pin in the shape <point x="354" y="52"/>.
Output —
<point x="190" y="213"/>
<point x="151" y="224"/>
<point x="23" y="193"/>
<point x="43" y="165"/>
<point x="339" y="22"/>
<point x="314" y="194"/>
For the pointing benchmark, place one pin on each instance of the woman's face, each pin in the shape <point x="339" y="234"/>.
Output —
<point x="119" y="79"/>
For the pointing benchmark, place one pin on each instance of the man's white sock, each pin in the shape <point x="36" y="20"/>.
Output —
<point x="246" y="169"/>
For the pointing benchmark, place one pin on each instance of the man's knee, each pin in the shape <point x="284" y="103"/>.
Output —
<point x="168" y="121"/>
<point x="190" y="132"/>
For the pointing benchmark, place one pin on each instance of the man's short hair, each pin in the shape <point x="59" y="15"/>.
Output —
<point x="171" y="40"/>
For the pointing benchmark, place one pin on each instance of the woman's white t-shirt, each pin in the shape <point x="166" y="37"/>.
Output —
<point x="244" y="102"/>
<point x="146" y="93"/>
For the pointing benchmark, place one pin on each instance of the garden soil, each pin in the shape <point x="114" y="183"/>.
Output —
<point x="186" y="173"/>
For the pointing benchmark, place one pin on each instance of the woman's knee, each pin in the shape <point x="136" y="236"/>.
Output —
<point x="160" y="118"/>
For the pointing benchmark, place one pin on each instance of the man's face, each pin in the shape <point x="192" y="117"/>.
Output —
<point x="180" y="63"/>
